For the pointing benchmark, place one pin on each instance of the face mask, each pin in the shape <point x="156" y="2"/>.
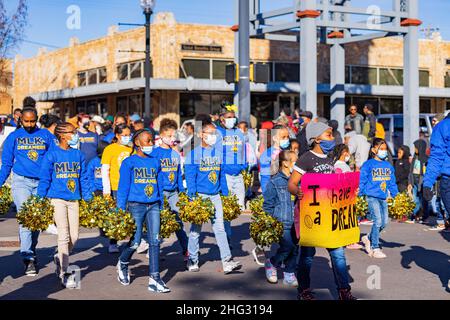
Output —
<point x="210" y="139"/>
<point x="86" y="125"/>
<point x="347" y="159"/>
<point x="29" y="129"/>
<point x="147" y="150"/>
<point x="125" y="140"/>
<point x="168" y="141"/>
<point x="230" y="123"/>
<point x="327" y="146"/>
<point x="284" y="144"/>
<point x="73" y="143"/>
<point x="382" y="154"/>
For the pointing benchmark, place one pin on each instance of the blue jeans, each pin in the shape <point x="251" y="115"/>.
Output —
<point x="219" y="232"/>
<point x="172" y="198"/>
<point x="420" y="203"/>
<point x="445" y="193"/>
<point x="287" y="252"/>
<point x="149" y="213"/>
<point x="22" y="188"/>
<point x="236" y="186"/>
<point x="439" y="209"/>
<point x="338" y="262"/>
<point x="378" y="209"/>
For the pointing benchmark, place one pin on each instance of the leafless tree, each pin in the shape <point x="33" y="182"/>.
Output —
<point x="12" y="28"/>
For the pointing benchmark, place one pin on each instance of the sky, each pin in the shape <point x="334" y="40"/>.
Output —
<point x="48" y="19"/>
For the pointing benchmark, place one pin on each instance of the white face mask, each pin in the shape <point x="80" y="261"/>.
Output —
<point x="230" y="123"/>
<point x="347" y="159"/>
<point x="169" y="141"/>
<point x="210" y="139"/>
<point x="98" y="129"/>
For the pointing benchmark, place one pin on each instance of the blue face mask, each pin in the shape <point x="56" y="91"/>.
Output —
<point x="125" y="140"/>
<point x="147" y="150"/>
<point x="73" y="143"/>
<point x="284" y="144"/>
<point x="382" y="154"/>
<point x="327" y="146"/>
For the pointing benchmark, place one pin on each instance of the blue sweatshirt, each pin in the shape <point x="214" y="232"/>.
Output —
<point x="63" y="175"/>
<point x="140" y="181"/>
<point x="170" y="162"/>
<point x="23" y="152"/>
<point x="203" y="170"/>
<point x="94" y="171"/>
<point x="234" y="151"/>
<point x="376" y="179"/>
<point x="88" y="145"/>
<point x="439" y="161"/>
<point x="109" y="137"/>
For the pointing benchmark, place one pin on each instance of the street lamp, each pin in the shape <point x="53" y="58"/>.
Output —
<point x="147" y="6"/>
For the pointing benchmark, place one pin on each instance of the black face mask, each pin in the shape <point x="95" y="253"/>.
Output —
<point x="86" y="126"/>
<point x="29" y="129"/>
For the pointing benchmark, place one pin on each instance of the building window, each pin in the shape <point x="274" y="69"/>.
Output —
<point x="391" y="77"/>
<point x="391" y="105"/>
<point x="132" y="70"/>
<point x="93" y="106"/>
<point x="130" y="104"/>
<point x="91" y="77"/>
<point x="424" y="78"/>
<point x="425" y="106"/>
<point x="447" y="79"/>
<point x="198" y="69"/>
<point x="287" y="72"/>
<point x="219" y="69"/>
<point x="363" y="75"/>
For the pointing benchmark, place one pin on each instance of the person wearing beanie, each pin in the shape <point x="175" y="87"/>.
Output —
<point x="321" y="141"/>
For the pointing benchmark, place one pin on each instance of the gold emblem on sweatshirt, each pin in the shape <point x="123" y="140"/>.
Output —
<point x="71" y="185"/>
<point x="212" y="177"/>
<point x="33" y="155"/>
<point x="149" y="190"/>
<point x="172" y="177"/>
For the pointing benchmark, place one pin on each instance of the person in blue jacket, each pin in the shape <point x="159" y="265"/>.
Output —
<point x="140" y="190"/>
<point x="23" y="152"/>
<point x="204" y="176"/>
<point x="439" y="165"/>
<point x="234" y="158"/>
<point x="118" y="120"/>
<point x="64" y="180"/>
<point x="172" y="176"/>
<point x="377" y="183"/>
<point x="88" y="140"/>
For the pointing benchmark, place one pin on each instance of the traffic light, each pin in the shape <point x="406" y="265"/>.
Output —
<point x="259" y="73"/>
<point x="231" y="75"/>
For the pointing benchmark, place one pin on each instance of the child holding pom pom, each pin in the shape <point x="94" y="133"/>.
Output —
<point x="377" y="181"/>
<point x="140" y="190"/>
<point x="278" y="202"/>
<point x="64" y="180"/>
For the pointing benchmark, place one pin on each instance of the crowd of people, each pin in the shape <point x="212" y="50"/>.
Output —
<point x="126" y="158"/>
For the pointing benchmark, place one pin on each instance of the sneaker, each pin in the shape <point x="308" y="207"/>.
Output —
<point x="346" y="294"/>
<point x="57" y="264"/>
<point x="366" y="242"/>
<point x="366" y="222"/>
<point x="157" y="285"/>
<point x="192" y="266"/>
<point x="290" y="279"/>
<point x="30" y="268"/>
<point x="410" y="221"/>
<point x="354" y="246"/>
<point x="306" y="295"/>
<point x="123" y="274"/>
<point x="259" y="255"/>
<point x="68" y="281"/>
<point x="271" y="272"/>
<point x="143" y="246"/>
<point x="378" y="254"/>
<point x="113" y="248"/>
<point x="438" y="227"/>
<point x="230" y="265"/>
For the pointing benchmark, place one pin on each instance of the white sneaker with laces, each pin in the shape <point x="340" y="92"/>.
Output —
<point x="366" y="242"/>
<point x="378" y="254"/>
<point x="230" y="266"/>
<point x="157" y="285"/>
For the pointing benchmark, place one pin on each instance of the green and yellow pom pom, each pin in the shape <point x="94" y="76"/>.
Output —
<point x="169" y="223"/>
<point x="265" y="230"/>
<point x="36" y="214"/>
<point x="401" y="206"/>
<point x="198" y="211"/>
<point x="231" y="207"/>
<point x="5" y="199"/>
<point x="119" y="225"/>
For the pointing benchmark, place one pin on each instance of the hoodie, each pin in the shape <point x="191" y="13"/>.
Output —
<point x="376" y="179"/>
<point x="402" y="169"/>
<point x="419" y="163"/>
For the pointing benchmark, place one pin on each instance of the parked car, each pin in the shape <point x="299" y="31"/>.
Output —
<point x="393" y="126"/>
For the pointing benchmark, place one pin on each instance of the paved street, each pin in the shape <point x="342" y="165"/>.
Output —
<point x="417" y="267"/>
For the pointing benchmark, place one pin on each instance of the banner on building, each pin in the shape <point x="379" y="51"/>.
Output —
<point x="328" y="210"/>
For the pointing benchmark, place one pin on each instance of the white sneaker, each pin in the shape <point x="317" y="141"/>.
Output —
<point x="52" y="230"/>
<point x="68" y="281"/>
<point x="378" y="254"/>
<point x="143" y="246"/>
<point x="366" y="242"/>
<point x="259" y="255"/>
<point x="438" y="227"/>
<point x="113" y="248"/>
<point x="230" y="265"/>
<point x="157" y="285"/>
<point x="192" y="266"/>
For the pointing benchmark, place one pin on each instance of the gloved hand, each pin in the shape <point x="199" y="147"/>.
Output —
<point x="428" y="193"/>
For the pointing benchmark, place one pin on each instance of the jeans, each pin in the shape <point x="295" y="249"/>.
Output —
<point x="22" y="188"/>
<point x="150" y="214"/>
<point x="439" y="209"/>
<point x="287" y="252"/>
<point x="338" y="262"/>
<point x="219" y="232"/>
<point x="236" y="186"/>
<point x="420" y="203"/>
<point x="445" y="193"/>
<point x="172" y="198"/>
<point x="378" y="209"/>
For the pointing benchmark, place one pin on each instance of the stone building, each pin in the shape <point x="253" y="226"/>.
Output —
<point x="188" y="72"/>
<point x="6" y="79"/>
